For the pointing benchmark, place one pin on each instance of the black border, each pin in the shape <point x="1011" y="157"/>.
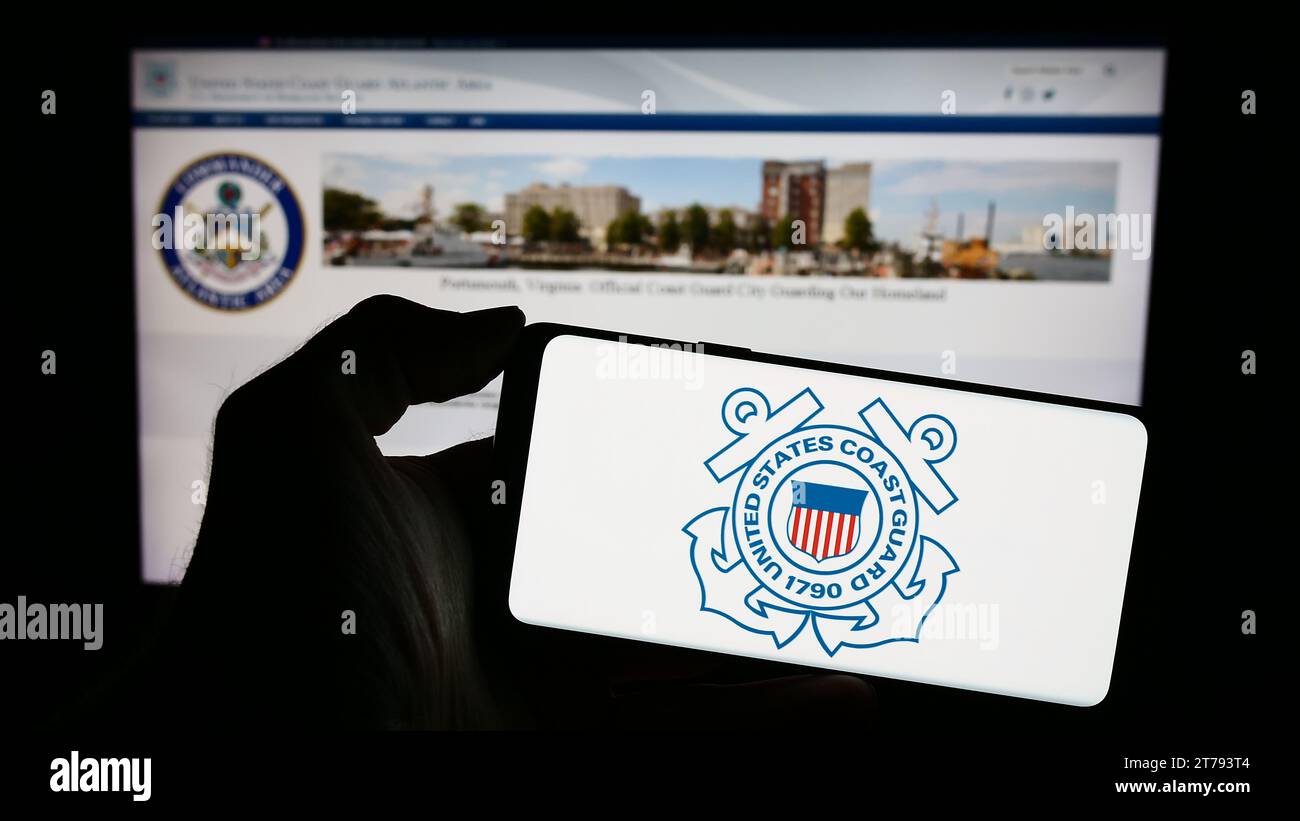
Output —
<point x="1185" y="679"/>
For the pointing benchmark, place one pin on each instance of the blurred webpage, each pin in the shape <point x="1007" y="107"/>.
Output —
<point x="885" y="208"/>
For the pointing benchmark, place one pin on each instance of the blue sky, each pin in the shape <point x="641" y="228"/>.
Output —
<point x="659" y="181"/>
<point x="901" y="191"/>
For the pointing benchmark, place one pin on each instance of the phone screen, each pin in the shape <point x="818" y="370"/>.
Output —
<point x="851" y="523"/>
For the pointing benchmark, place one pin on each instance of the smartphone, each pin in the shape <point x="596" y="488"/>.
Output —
<point x="838" y="517"/>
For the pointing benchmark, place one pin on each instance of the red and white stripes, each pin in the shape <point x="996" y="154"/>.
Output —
<point x="822" y="534"/>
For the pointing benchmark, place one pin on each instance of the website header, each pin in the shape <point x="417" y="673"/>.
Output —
<point x="1019" y="83"/>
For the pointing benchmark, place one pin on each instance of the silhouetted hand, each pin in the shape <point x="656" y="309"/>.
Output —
<point x="309" y="525"/>
<point x="307" y="519"/>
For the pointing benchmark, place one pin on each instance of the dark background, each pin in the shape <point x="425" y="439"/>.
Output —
<point x="1186" y="681"/>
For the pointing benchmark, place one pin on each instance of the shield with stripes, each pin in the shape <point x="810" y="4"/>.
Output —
<point x="825" y="520"/>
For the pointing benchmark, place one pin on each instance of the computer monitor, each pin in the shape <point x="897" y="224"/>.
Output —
<point x="983" y="214"/>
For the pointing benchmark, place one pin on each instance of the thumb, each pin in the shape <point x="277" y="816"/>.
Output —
<point x="388" y="353"/>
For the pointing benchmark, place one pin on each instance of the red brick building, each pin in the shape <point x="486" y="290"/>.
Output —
<point x="798" y="190"/>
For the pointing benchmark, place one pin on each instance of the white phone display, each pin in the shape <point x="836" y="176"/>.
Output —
<point x="846" y="522"/>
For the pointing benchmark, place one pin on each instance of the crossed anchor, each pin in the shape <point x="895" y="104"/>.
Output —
<point x="730" y="589"/>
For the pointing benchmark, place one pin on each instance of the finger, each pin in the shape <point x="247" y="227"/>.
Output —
<point x="388" y="353"/>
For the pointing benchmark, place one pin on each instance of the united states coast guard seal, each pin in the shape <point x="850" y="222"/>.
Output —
<point x="825" y="524"/>
<point x="235" y="184"/>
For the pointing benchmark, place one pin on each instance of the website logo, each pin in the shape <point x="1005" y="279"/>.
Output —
<point x="825" y="524"/>
<point x="160" y="77"/>
<point x="236" y="204"/>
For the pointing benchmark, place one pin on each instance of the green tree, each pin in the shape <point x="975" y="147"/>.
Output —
<point x="670" y="233"/>
<point x="349" y="211"/>
<point x="759" y="236"/>
<point x="564" y="225"/>
<point x="696" y="227"/>
<point x="537" y="224"/>
<point x="858" y="235"/>
<point x="470" y="217"/>
<point x="629" y="228"/>
<point x="724" y="233"/>
<point x="783" y="232"/>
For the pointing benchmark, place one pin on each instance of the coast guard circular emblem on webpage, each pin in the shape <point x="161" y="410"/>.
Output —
<point x="824" y="527"/>
<point x="230" y="231"/>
